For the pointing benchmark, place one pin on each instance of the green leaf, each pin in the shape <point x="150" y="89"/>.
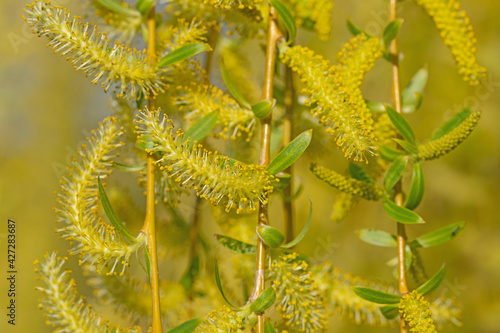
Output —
<point x="269" y="328"/>
<point x="439" y="236"/>
<point x="375" y="107"/>
<point x="391" y="31"/>
<point x="110" y="213"/>
<point x="409" y="147"/>
<point x="401" y="125"/>
<point x="265" y="300"/>
<point x="129" y="168"/>
<point x="201" y="128"/>
<point x="359" y="173"/>
<point x="394" y="173"/>
<point x="353" y="29"/>
<point x="377" y="237"/>
<point x="144" y="6"/>
<point x="182" y="53"/>
<point x="433" y="283"/>
<point x="290" y="153"/>
<point x="188" y="326"/>
<point x="271" y="236"/>
<point x="389" y="153"/>
<point x="410" y="108"/>
<point x="148" y="262"/>
<point x="452" y="123"/>
<point x="117" y="7"/>
<point x="231" y="87"/>
<point x="236" y="245"/>
<point x="219" y="285"/>
<point x="376" y="296"/>
<point x="390" y="311"/>
<point x="413" y="92"/>
<point x="401" y="214"/>
<point x="416" y="188"/>
<point x="287" y="18"/>
<point x="263" y="108"/>
<point x="303" y="233"/>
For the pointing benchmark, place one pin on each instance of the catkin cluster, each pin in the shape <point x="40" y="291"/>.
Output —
<point x="416" y="312"/>
<point x="223" y="320"/>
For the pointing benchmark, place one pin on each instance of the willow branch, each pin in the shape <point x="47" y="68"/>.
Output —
<point x="149" y="227"/>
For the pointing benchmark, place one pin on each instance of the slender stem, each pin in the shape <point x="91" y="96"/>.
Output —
<point x="149" y="227"/>
<point x="288" y="207"/>
<point x="273" y="34"/>
<point x="401" y="231"/>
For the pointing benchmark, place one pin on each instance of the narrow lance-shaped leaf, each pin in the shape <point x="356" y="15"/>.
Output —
<point x="413" y="92"/>
<point x="433" y="283"/>
<point x="187" y="327"/>
<point x="401" y="124"/>
<point x="110" y="213"/>
<point x="117" y="7"/>
<point x="290" y="153"/>
<point x="439" y="236"/>
<point x="391" y="31"/>
<point x="263" y="108"/>
<point x="236" y="245"/>
<point x="269" y="328"/>
<point x="201" y="128"/>
<point x="182" y="53"/>
<point x="354" y="29"/>
<point x="401" y="214"/>
<point x="359" y="173"/>
<point x="219" y="285"/>
<point x="452" y="123"/>
<point x="231" y="86"/>
<point x="303" y="233"/>
<point x="416" y="188"/>
<point x="376" y="296"/>
<point x="389" y="153"/>
<point x="409" y="147"/>
<point x="377" y="237"/>
<point x="144" y="6"/>
<point x="394" y="173"/>
<point x="287" y="19"/>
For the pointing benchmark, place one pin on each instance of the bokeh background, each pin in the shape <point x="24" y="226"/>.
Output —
<point x="46" y="108"/>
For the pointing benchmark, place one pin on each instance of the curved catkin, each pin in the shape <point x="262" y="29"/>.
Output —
<point x="222" y="320"/>
<point x="98" y="243"/>
<point x="118" y="67"/>
<point x="348" y="185"/>
<point x="299" y="300"/>
<point x="336" y="109"/>
<point x="439" y="147"/>
<point x="233" y="120"/>
<point x="214" y="177"/>
<point x="457" y="33"/>
<point x="64" y="308"/>
<point x="416" y="312"/>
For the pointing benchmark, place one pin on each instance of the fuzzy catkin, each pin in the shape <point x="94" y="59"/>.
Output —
<point x="100" y="245"/>
<point x="336" y="109"/>
<point x="457" y="33"/>
<point x="214" y="177"/>
<point x="439" y="147"/>
<point x="118" y="67"/>
<point x="223" y="320"/>
<point x="416" y="312"/>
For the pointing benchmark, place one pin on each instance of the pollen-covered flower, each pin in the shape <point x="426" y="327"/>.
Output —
<point x="223" y="320"/>
<point x="214" y="177"/>
<point x="98" y="243"/>
<point x="336" y="109"/>
<point x="439" y="147"/>
<point x="315" y="14"/>
<point x="118" y="67"/>
<point x="228" y="4"/>
<point x="457" y="33"/>
<point x="64" y="308"/>
<point x="299" y="300"/>
<point x="233" y="121"/>
<point x="348" y="185"/>
<point x="416" y="312"/>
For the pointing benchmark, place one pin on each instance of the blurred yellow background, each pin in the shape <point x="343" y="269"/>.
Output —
<point x="45" y="107"/>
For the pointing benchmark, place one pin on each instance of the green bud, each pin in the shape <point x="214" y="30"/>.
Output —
<point x="264" y="301"/>
<point x="271" y="236"/>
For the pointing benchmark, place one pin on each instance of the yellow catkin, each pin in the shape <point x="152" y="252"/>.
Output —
<point x="223" y="320"/>
<point x="299" y="300"/>
<point x="337" y="110"/>
<point x="228" y="4"/>
<point x="99" y="244"/>
<point x="457" y="33"/>
<point x="439" y="147"/>
<point x="348" y="185"/>
<point x="117" y="67"/>
<point x="416" y="312"/>
<point x="315" y="14"/>
<point x="64" y="308"/>
<point x="214" y="177"/>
